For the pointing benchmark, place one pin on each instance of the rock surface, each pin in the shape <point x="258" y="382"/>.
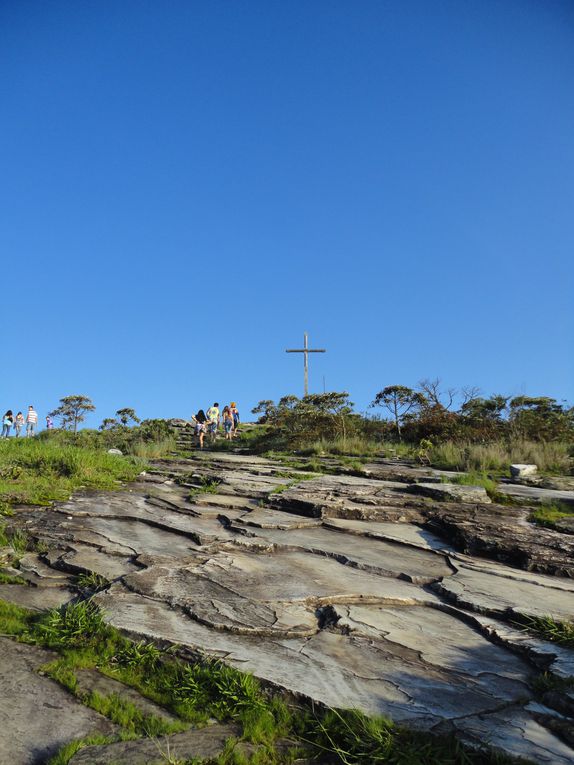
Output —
<point x="37" y="716"/>
<point x="204" y="743"/>
<point x="345" y="589"/>
<point x="450" y="492"/>
<point x="523" y="471"/>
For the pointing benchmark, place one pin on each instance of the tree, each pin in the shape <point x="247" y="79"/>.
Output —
<point x="72" y="410"/>
<point x="126" y="414"/>
<point x="399" y="400"/>
<point x="109" y="423"/>
<point x="540" y="418"/>
<point x="433" y="395"/>
<point x="265" y="408"/>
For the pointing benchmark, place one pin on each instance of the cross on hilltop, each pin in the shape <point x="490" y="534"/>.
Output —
<point x="306" y="351"/>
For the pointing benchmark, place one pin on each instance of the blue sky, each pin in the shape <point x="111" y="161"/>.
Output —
<point x="187" y="187"/>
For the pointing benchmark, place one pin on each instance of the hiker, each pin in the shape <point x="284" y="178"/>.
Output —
<point x="31" y="421"/>
<point x="7" y="422"/>
<point x="49" y="422"/>
<point x="213" y="417"/>
<point x="18" y="424"/>
<point x="200" y="421"/>
<point x="228" y="423"/>
<point x="235" y="414"/>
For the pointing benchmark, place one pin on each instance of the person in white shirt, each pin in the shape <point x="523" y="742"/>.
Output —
<point x="31" y="420"/>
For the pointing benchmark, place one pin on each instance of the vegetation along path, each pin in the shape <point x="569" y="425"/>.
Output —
<point x="391" y="592"/>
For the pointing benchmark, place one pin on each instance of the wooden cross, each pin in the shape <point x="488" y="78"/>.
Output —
<point x="306" y="351"/>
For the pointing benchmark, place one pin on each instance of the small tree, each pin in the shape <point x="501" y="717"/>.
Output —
<point x="72" y="410"/>
<point x="109" y="423"/>
<point x="265" y="408"/>
<point x="126" y="414"/>
<point x="399" y="400"/>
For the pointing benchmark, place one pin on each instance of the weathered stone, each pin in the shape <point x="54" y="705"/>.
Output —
<point x="522" y="471"/>
<point x="506" y="593"/>
<point x="37" y="716"/>
<point x="200" y="743"/>
<point x="503" y="533"/>
<point x="349" y="590"/>
<point x="36" y="598"/>
<point x="535" y="495"/>
<point x="451" y="492"/>
<point x="115" y="451"/>
<point x="513" y="729"/>
<point x="404" y="533"/>
<point x="566" y="525"/>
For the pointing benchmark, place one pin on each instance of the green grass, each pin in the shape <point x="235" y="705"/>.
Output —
<point x="353" y="446"/>
<point x="66" y="753"/>
<point x="129" y="717"/>
<point x="91" y="583"/>
<point x="546" y="681"/>
<point x="206" y="486"/>
<point x="547" y="513"/>
<point x="195" y="692"/>
<point x="15" y="621"/>
<point x="76" y="624"/>
<point x="480" y="479"/>
<point x="11" y="579"/>
<point x="34" y="471"/>
<point x="549" y="628"/>
<point x="148" y="450"/>
<point x="281" y="488"/>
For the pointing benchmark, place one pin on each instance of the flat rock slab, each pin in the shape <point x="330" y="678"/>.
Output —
<point x="344" y="589"/>
<point x="369" y="671"/>
<point x="83" y="558"/>
<point x="404" y="533"/>
<point x="502" y="533"/>
<point x="37" y="716"/>
<point x="514" y="730"/>
<point x="266" y="518"/>
<point x="504" y="593"/>
<point x="535" y="495"/>
<point x="451" y="492"/>
<point x="201" y="743"/>
<point x="267" y="594"/>
<point x="368" y="553"/>
<point x="35" y="598"/>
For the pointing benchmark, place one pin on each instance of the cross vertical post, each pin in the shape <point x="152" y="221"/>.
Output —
<point x="306" y="362"/>
<point x="306" y="351"/>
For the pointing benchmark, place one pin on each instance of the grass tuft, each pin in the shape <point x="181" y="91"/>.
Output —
<point x="548" y="513"/>
<point x="549" y="628"/>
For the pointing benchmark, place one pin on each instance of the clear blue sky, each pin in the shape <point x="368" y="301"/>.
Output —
<point x="186" y="187"/>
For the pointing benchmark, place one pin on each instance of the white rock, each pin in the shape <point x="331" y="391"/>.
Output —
<point x="115" y="451"/>
<point x="521" y="471"/>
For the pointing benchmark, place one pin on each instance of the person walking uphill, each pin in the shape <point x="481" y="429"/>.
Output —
<point x="31" y="420"/>
<point x="7" y="422"/>
<point x="18" y="424"/>
<point x="200" y="422"/>
<point x="228" y="423"/>
<point x="213" y="417"/>
<point x="235" y="414"/>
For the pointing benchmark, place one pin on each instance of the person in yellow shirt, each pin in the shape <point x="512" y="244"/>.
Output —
<point x="213" y="417"/>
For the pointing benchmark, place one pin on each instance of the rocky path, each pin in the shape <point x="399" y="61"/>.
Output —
<point x="353" y="591"/>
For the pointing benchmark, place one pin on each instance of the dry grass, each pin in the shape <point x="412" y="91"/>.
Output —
<point x="552" y="457"/>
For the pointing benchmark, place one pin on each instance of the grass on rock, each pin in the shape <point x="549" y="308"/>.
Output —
<point x="549" y="628"/>
<point x="548" y="513"/>
<point x="195" y="692"/>
<point x="34" y="471"/>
